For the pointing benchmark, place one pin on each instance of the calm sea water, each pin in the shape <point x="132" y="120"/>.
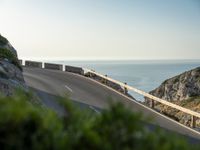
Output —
<point x="144" y="75"/>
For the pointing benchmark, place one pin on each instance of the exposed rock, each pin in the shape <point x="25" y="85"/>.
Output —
<point x="180" y="87"/>
<point x="183" y="90"/>
<point x="10" y="74"/>
<point x="111" y="84"/>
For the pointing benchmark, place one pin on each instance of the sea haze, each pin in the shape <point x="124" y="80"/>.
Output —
<point x="144" y="75"/>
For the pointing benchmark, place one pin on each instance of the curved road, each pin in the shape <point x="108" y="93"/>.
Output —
<point x="48" y="84"/>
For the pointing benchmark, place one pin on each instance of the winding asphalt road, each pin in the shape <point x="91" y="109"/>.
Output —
<point x="49" y="84"/>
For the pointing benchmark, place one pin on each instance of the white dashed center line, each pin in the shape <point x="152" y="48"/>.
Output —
<point x="67" y="87"/>
<point x="91" y="107"/>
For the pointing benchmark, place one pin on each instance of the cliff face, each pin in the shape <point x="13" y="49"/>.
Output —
<point x="10" y="70"/>
<point x="180" y="87"/>
<point x="183" y="90"/>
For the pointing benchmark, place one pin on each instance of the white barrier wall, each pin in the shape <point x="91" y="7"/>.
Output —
<point x="73" y="69"/>
<point x="34" y="64"/>
<point x="53" y="66"/>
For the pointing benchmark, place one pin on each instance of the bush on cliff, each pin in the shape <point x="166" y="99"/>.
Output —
<point x="6" y="54"/>
<point x="3" y="40"/>
<point x="26" y="126"/>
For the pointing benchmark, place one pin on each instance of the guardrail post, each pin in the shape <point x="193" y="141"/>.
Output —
<point x="125" y="89"/>
<point x="193" y="121"/>
<point x="152" y="104"/>
<point x="90" y="75"/>
<point x="105" y="81"/>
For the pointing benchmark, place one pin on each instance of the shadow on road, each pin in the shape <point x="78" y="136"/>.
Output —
<point x="51" y="101"/>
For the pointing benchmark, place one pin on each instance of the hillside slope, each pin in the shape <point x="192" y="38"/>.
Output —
<point x="10" y="69"/>
<point x="183" y="90"/>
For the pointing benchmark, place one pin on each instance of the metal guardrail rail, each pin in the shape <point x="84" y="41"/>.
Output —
<point x="194" y="115"/>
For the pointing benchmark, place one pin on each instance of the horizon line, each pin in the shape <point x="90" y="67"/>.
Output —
<point x="107" y="59"/>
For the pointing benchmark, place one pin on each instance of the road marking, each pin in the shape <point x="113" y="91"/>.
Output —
<point x="91" y="107"/>
<point x="67" y="87"/>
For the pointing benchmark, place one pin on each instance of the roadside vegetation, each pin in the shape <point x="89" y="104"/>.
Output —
<point x="6" y="54"/>
<point x="3" y="40"/>
<point x="24" y="125"/>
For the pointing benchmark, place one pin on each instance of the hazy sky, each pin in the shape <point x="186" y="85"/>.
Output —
<point x="99" y="29"/>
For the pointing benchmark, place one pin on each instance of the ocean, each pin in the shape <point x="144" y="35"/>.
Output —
<point x="144" y="75"/>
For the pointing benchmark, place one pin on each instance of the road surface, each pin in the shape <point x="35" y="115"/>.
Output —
<point x="49" y="84"/>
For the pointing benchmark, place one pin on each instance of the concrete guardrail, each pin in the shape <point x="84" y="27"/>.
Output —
<point x="194" y="115"/>
<point x="20" y="62"/>
<point x="73" y="69"/>
<point x="53" y="66"/>
<point x="33" y="64"/>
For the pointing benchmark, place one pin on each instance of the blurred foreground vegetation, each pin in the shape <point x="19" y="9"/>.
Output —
<point x="26" y="126"/>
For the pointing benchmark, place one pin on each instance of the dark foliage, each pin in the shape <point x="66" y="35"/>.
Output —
<point x="3" y="41"/>
<point x="7" y="54"/>
<point x="26" y="126"/>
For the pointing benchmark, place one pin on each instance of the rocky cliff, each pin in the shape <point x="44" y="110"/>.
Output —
<point x="183" y="90"/>
<point x="10" y="69"/>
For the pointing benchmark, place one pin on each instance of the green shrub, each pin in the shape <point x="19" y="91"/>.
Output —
<point x="5" y="53"/>
<point x="26" y="126"/>
<point x="23" y="126"/>
<point x="3" y="41"/>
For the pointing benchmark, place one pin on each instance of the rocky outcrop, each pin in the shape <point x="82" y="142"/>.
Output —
<point x="10" y="70"/>
<point x="183" y="90"/>
<point x="108" y="83"/>
<point x="180" y="87"/>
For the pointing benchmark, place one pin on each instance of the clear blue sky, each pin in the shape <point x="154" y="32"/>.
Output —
<point x="102" y="29"/>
